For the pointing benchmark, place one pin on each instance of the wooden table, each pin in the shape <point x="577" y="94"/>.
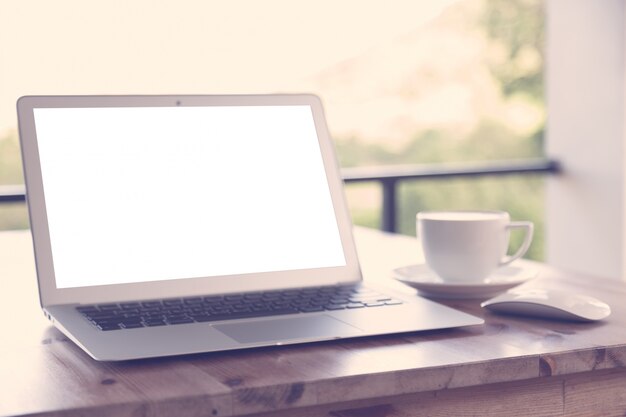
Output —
<point x="509" y="366"/>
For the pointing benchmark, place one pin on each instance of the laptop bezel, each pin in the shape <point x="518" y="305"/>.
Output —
<point x="51" y="295"/>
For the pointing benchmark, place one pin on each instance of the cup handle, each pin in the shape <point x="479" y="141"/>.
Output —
<point x="529" y="227"/>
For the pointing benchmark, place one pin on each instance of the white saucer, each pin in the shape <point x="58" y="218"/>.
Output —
<point x="430" y="285"/>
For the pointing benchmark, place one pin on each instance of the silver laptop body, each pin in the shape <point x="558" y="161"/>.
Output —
<point x="190" y="199"/>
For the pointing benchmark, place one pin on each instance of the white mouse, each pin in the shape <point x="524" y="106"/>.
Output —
<point x="550" y="304"/>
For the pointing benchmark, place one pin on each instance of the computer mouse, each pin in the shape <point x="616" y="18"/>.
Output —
<point x="550" y="304"/>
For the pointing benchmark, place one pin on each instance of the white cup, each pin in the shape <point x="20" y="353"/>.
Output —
<point x="465" y="246"/>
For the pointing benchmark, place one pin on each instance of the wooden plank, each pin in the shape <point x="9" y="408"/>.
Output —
<point x="264" y="379"/>
<point x="47" y="380"/>
<point x="571" y="362"/>
<point x="596" y="394"/>
<point x="174" y="386"/>
<point x="423" y="380"/>
<point x="60" y="376"/>
<point x="536" y="397"/>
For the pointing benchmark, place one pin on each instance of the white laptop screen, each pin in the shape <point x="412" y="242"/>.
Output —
<point x="136" y="194"/>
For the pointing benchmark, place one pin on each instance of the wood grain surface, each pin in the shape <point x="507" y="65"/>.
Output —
<point x="509" y="366"/>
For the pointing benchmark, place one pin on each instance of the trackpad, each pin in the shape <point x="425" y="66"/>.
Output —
<point x="311" y="327"/>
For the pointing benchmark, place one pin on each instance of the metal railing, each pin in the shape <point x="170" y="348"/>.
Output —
<point x="12" y="193"/>
<point x="389" y="177"/>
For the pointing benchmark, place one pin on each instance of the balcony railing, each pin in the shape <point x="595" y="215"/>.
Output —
<point x="12" y="194"/>
<point x="390" y="177"/>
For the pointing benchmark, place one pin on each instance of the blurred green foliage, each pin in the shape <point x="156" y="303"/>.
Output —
<point x="491" y="140"/>
<point x="10" y="160"/>
<point x="517" y="28"/>
<point x="12" y="215"/>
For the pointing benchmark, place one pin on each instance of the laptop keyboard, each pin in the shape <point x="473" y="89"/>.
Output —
<point x="172" y="311"/>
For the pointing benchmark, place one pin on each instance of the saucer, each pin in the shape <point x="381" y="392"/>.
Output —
<point x="430" y="285"/>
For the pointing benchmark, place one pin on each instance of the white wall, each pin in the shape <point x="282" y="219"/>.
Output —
<point x="586" y="132"/>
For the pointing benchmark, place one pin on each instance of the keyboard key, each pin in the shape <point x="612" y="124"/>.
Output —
<point x="201" y="317"/>
<point x="151" y="304"/>
<point x="374" y="304"/>
<point x="229" y="316"/>
<point x="151" y="312"/>
<point x="272" y="296"/>
<point x="132" y="325"/>
<point x="174" y="317"/>
<point x="332" y="307"/>
<point x="234" y="316"/>
<point x="153" y="323"/>
<point x="107" y="327"/>
<point x="102" y="315"/>
<point x="234" y="297"/>
<point x="193" y="300"/>
<point x="180" y="321"/>
<point x="112" y="320"/>
<point x="311" y="309"/>
<point x="254" y="296"/>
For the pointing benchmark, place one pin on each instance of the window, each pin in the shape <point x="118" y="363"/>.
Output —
<point x="403" y="82"/>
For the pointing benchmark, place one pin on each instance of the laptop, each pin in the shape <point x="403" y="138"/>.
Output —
<point x="169" y="225"/>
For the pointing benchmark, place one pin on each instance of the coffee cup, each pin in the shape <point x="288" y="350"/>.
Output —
<point x="466" y="246"/>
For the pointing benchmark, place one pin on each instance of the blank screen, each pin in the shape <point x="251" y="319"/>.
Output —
<point x="138" y="194"/>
